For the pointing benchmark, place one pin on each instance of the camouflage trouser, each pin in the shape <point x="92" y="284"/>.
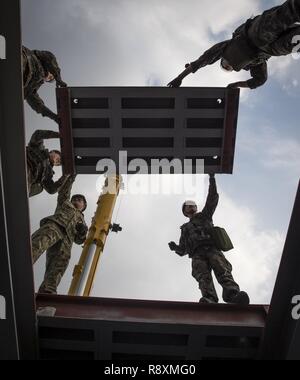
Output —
<point x="52" y="239"/>
<point x="45" y="238"/>
<point x="275" y="26"/>
<point x="206" y="261"/>
<point x="58" y="258"/>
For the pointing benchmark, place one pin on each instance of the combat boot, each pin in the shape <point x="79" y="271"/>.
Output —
<point x="241" y="298"/>
<point x="207" y="301"/>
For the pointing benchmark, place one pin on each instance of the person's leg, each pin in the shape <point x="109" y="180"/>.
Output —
<point x="268" y="27"/>
<point x="58" y="258"/>
<point x="44" y="238"/>
<point x="223" y="272"/>
<point x="202" y="272"/>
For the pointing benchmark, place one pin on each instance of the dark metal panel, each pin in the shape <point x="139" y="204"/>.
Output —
<point x="282" y="336"/>
<point x="16" y="252"/>
<point x="187" y="122"/>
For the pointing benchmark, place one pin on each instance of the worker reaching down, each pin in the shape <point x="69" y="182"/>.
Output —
<point x="204" y="244"/>
<point x="274" y="33"/>
<point x="40" y="67"/>
<point x="57" y="235"/>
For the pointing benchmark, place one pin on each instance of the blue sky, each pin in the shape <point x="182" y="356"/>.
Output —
<point x="130" y="42"/>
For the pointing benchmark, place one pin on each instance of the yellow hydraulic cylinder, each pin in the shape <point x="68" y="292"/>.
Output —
<point x="85" y="272"/>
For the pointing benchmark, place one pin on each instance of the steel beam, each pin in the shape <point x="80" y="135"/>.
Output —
<point x="18" y="332"/>
<point x="282" y="336"/>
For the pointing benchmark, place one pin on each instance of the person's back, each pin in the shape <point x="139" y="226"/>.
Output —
<point x="40" y="164"/>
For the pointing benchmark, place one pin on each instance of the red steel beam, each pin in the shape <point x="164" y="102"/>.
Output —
<point x="155" y="311"/>
<point x="65" y="127"/>
<point x="230" y="125"/>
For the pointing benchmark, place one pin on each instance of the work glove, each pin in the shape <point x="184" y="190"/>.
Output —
<point x="61" y="84"/>
<point x="81" y="229"/>
<point x="233" y="86"/>
<point x="176" y="83"/>
<point x="173" y="246"/>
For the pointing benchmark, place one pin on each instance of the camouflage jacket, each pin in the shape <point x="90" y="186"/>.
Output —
<point x="194" y="234"/>
<point x="67" y="216"/>
<point x="40" y="170"/>
<point x="33" y="79"/>
<point x="241" y="54"/>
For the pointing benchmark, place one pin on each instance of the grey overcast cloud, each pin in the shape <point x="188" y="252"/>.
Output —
<point x="147" y="43"/>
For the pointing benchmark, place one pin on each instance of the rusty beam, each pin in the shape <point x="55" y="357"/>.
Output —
<point x="154" y="311"/>
<point x="230" y="126"/>
<point x="65" y="128"/>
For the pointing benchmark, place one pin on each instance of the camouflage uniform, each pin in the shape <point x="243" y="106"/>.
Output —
<point x="256" y="41"/>
<point x="36" y="65"/>
<point x="56" y="236"/>
<point x="39" y="168"/>
<point x="196" y="242"/>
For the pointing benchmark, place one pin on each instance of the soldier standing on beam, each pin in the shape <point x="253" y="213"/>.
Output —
<point x="197" y="242"/>
<point x="57" y="235"/>
<point x="274" y="33"/>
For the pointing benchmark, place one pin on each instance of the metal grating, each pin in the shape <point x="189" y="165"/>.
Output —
<point x="148" y="123"/>
<point x="105" y="329"/>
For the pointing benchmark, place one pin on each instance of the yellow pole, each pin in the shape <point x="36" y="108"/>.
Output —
<point x="97" y="236"/>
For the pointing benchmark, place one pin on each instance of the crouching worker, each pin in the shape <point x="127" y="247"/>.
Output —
<point x="204" y="244"/>
<point x="58" y="234"/>
<point x="40" y="164"/>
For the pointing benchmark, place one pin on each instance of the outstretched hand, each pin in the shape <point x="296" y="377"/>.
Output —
<point x="233" y="85"/>
<point x="176" y="83"/>
<point x="173" y="246"/>
<point x="238" y="85"/>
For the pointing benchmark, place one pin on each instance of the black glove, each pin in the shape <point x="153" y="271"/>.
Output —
<point x="173" y="246"/>
<point x="81" y="229"/>
<point x="176" y="83"/>
<point x="61" y="84"/>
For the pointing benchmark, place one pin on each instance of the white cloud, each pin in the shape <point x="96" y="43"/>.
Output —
<point x="273" y="149"/>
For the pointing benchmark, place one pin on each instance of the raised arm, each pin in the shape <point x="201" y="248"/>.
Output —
<point x="212" y="199"/>
<point x="53" y="187"/>
<point x="37" y="104"/>
<point x="40" y="135"/>
<point x="64" y="193"/>
<point x="259" y="75"/>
